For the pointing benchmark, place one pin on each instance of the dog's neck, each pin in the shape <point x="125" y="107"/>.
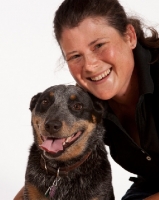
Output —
<point x="63" y="171"/>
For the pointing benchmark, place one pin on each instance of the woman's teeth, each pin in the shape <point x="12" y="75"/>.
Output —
<point x="101" y="76"/>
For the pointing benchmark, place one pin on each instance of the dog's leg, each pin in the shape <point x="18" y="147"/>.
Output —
<point x="32" y="193"/>
<point x="19" y="195"/>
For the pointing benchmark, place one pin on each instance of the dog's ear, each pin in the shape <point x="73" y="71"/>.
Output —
<point x="34" y="100"/>
<point x="98" y="107"/>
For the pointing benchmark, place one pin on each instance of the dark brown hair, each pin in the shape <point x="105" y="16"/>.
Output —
<point x="71" y="12"/>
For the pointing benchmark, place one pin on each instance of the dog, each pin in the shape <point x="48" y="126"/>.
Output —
<point x="68" y="159"/>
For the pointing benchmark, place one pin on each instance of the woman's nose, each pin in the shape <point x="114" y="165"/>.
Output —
<point x="91" y="62"/>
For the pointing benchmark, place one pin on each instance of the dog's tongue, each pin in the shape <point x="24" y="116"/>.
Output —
<point x="53" y="145"/>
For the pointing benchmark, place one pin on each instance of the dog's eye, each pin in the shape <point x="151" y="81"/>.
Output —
<point x="77" y="106"/>
<point x="45" y="101"/>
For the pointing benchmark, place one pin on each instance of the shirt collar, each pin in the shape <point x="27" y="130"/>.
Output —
<point x="142" y="59"/>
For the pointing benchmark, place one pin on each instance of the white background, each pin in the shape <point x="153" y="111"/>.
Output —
<point x="29" y="63"/>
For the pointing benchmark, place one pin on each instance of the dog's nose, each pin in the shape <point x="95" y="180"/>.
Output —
<point x="53" y="126"/>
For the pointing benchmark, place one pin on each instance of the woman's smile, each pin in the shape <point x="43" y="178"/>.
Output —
<point x="101" y="76"/>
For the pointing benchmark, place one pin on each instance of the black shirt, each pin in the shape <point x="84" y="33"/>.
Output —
<point x="143" y="160"/>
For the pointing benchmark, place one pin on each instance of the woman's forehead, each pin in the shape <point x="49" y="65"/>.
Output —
<point x="88" y="31"/>
<point x="90" y="28"/>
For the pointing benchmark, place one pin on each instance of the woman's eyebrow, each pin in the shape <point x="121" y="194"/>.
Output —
<point x="94" y="41"/>
<point x="72" y="52"/>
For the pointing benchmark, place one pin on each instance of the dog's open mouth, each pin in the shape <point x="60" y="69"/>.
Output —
<point x="54" y="145"/>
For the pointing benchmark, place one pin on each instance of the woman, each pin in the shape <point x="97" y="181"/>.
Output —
<point x="109" y="56"/>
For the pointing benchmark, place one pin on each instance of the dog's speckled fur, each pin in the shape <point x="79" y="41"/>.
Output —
<point x="74" y="110"/>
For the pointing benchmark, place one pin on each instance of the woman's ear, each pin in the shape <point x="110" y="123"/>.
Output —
<point x="130" y="36"/>
<point x="34" y="100"/>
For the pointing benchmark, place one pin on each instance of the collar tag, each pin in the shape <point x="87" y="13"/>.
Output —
<point x="52" y="189"/>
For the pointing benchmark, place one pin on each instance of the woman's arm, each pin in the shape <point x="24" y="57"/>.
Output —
<point x="153" y="197"/>
<point x="19" y="195"/>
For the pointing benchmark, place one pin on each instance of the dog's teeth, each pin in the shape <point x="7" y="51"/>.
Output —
<point x="68" y="139"/>
<point x="73" y="135"/>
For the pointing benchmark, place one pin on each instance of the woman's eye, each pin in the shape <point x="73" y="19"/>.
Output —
<point x="73" y="57"/>
<point x="98" y="46"/>
<point x="77" y="106"/>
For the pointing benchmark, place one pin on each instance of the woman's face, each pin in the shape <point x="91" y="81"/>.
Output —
<point x="99" y="58"/>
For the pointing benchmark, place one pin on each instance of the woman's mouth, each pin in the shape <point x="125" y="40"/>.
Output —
<point x="101" y="76"/>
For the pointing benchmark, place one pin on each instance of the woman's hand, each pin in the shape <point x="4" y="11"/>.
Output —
<point x="19" y="195"/>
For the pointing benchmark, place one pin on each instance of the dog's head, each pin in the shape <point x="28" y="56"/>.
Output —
<point x="64" y="118"/>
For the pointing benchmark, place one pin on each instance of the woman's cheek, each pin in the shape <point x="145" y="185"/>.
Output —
<point x="74" y="70"/>
<point x="107" y="55"/>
